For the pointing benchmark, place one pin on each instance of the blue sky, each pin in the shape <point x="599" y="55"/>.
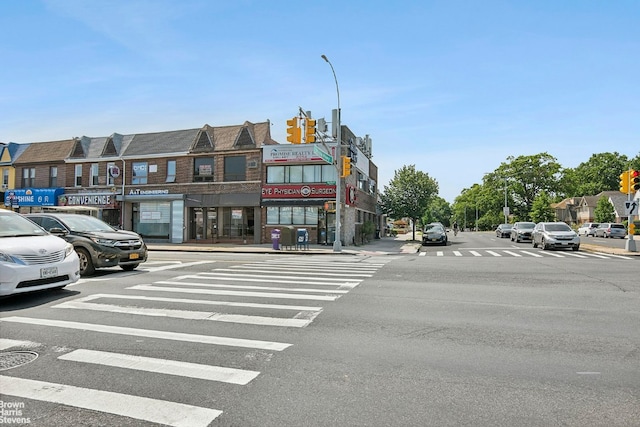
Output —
<point x="453" y="87"/>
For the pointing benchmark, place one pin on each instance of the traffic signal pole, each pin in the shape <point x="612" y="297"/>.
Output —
<point x="630" y="184"/>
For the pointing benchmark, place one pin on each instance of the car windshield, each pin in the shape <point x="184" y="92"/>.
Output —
<point x="433" y="228"/>
<point x="526" y="225"/>
<point x="617" y="226"/>
<point x="558" y="227"/>
<point x="84" y="223"/>
<point x="14" y="225"/>
<point x="506" y="226"/>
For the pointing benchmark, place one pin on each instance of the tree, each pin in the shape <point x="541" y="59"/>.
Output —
<point x="600" y="173"/>
<point x="437" y="211"/>
<point x="604" y="211"/>
<point x="541" y="209"/>
<point x="408" y="194"/>
<point x="527" y="176"/>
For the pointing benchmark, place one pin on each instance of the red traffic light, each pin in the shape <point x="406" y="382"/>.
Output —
<point x="634" y="180"/>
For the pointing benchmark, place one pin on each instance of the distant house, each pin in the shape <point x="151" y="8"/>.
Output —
<point x="587" y="205"/>
<point x="566" y="210"/>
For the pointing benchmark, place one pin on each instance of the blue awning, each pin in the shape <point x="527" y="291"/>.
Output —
<point x="32" y="196"/>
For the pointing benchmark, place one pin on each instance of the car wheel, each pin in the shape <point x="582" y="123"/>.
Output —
<point x="576" y="248"/>
<point x="512" y="238"/>
<point x="543" y="244"/>
<point x="129" y="267"/>
<point x="86" y="265"/>
<point x="535" y="245"/>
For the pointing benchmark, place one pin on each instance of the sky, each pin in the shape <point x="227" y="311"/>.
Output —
<point x="452" y="87"/>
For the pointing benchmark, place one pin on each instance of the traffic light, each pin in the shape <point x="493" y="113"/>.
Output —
<point x="632" y="229"/>
<point x="624" y="182"/>
<point x="310" y="131"/>
<point x="294" y="133"/>
<point x="346" y="167"/>
<point x="634" y="180"/>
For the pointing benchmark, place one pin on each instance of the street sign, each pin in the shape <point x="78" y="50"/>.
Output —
<point x="325" y="156"/>
<point x="631" y="207"/>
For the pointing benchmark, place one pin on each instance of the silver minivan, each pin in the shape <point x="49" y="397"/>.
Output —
<point x="611" y="229"/>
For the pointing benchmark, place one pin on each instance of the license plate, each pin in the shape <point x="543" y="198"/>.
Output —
<point x="47" y="272"/>
<point x="134" y="256"/>
<point x="434" y="240"/>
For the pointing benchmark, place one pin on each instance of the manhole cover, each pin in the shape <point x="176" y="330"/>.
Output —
<point x="14" y="359"/>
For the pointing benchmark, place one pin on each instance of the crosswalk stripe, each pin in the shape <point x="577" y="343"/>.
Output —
<point x="261" y="288"/>
<point x="149" y="333"/>
<point x="440" y="253"/>
<point x="244" y="278"/>
<point x="575" y="255"/>
<point x="162" y="366"/>
<point x="553" y="254"/>
<point x="595" y="255"/>
<point x="494" y="253"/>
<point x="203" y="302"/>
<point x="192" y="314"/>
<point x="281" y="279"/>
<point x="512" y="253"/>
<point x="306" y="272"/>
<point x="532" y="254"/>
<point x="7" y="343"/>
<point x="233" y="293"/>
<point x="457" y="253"/>
<point x="614" y="256"/>
<point x="422" y="254"/>
<point x="140" y="408"/>
<point x="474" y="253"/>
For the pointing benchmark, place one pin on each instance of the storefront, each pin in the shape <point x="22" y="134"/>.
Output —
<point x="223" y="218"/>
<point x="157" y="215"/>
<point x="298" y="190"/>
<point x="104" y="205"/>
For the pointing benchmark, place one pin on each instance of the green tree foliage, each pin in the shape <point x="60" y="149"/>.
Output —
<point x="437" y="211"/>
<point x="541" y="209"/>
<point x="408" y="194"/>
<point x="526" y="177"/>
<point x="600" y="173"/>
<point x="604" y="211"/>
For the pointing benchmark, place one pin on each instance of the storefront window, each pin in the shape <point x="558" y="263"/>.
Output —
<point x="311" y="173"/>
<point x="298" y="214"/>
<point x="273" y="215"/>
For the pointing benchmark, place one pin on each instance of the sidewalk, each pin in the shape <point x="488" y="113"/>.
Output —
<point x="383" y="246"/>
<point x="401" y="244"/>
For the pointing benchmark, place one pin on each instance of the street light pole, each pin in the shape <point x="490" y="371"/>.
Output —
<point x="506" y="207"/>
<point x="337" y="244"/>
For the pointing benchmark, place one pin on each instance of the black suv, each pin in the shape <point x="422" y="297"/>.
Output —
<point x="98" y="244"/>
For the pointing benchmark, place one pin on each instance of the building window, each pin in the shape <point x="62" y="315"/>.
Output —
<point x="297" y="215"/>
<point x="203" y="169"/>
<point x="53" y="176"/>
<point x="139" y="173"/>
<point x="298" y="174"/>
<point x="110" y="179"/>
<point x="235" y="168"/>
<point x="78" y="177"/>
<point x="93" y="174"/>
<point x="28" y="177"/>
<point x="171" y="171"/>
<point x="5" y="178"/>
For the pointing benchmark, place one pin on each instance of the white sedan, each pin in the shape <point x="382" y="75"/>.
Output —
<point x="31" y="259"/>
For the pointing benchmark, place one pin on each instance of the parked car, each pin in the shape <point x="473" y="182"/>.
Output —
<point x="504" y="230"/>
<point x="555" y="235"/>
<point x="521" y="231"/>
<point x="98" y="244"/>
<point x="611" y="229"/>
<point x="32" y="259"/>
<point x="588" y="229"/>
<point x="434" y="234"/>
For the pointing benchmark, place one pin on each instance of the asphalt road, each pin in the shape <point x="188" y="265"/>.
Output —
<point x="449" y="336"/>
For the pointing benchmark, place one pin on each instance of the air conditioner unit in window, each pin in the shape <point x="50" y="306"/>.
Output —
<point x="5" y="186"/>
<point x="252" y="164"/>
